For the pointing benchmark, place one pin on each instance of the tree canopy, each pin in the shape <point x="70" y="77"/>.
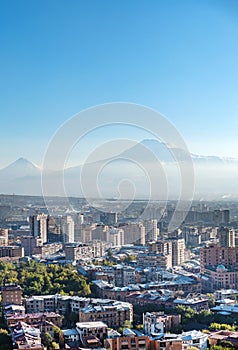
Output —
<point x="36" y="278"/>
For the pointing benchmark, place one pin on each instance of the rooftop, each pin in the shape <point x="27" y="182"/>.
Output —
<point x="89" y="325"/>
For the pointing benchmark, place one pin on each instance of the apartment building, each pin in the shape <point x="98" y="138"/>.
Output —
<point x="11" y="294"/>
<point x="81" y="251"/>
<point x="35" y="318"/>
<point x="158" y="260"/>
<point x="13" y="252"/>
<point x="96" y="328"/>
<point x="158" y="322"/>
<point x="134" y="233"/>
<point x="113" y="313"/>
<point x="219" y="267"/>
<point x="129" y="341"/>
<point x="178" y="251"/>
<point x="39" y="226"/>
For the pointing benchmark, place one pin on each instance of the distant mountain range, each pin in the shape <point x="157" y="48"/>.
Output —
<point x="215" y="177"/>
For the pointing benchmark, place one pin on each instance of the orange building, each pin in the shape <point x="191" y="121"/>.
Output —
<point x="129" y="341"/>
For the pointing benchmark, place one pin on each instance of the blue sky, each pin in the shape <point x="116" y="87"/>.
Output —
<point x="59" y="57"/>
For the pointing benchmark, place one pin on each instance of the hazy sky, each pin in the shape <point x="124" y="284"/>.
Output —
<point x="59" y="57"/>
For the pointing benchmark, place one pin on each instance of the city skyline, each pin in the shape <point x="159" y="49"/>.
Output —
<point x="118" y="175"/>
<point x="177" y="58"/>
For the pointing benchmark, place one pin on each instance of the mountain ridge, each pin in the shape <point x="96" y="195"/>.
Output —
<point x="23" y="162"/>
<point x="213" y="174"/>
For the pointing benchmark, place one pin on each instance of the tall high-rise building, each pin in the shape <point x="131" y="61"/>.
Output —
<point x="80" y="218"/>
<point x="39" y="226"/>
<point x="100" y="232"/>
<point x="225" y="216"/>
<point x="173" y="249"/>
<point x="221" y="217"/>
<point x="178" y="251"/>
<point x="134" y="233"/>
<point x="86" y="232"/>
<point x="116" y="237"/>
<point x="151" y="230"/>
<point x="226" y="237"/>
<point x="77" y="232"/>
<point x="68" y="229"/>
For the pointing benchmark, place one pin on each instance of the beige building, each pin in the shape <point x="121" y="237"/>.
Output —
<point x="151" y="230"/>
<point x="80" y="251"/>
<point x="134" y="233"/>
<point x="116" y="237"/>
<point x="173" y="249"/>
<point x="219" y="277"/>
<point x="178" y="251"/>
<point x="159" y="260"/>
<point x="100" y="232"/>
<point x="3" y="236"/>
<point x="48" y="249"/>
<point x="163" y="247"/>
<point x="86" y="233"/>
<point x="113" y="313"/>
<point x="68" y="229"/>
<point x="39" y="226"/>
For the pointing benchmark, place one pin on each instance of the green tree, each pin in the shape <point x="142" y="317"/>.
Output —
<point x="109" y="253"/>
<point x="47" y="340"/>
<point x="36" y="278"/>
<point x="130" y="258"/>
<point x="211" y="301"/>
<point x="187" y="313"/>
<point x="127" y="324"/>
<point x="221" y="326"/>
<point x="219" y="347"/>
<point x="140" y="327"/>
<point x="5" y="340"/>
